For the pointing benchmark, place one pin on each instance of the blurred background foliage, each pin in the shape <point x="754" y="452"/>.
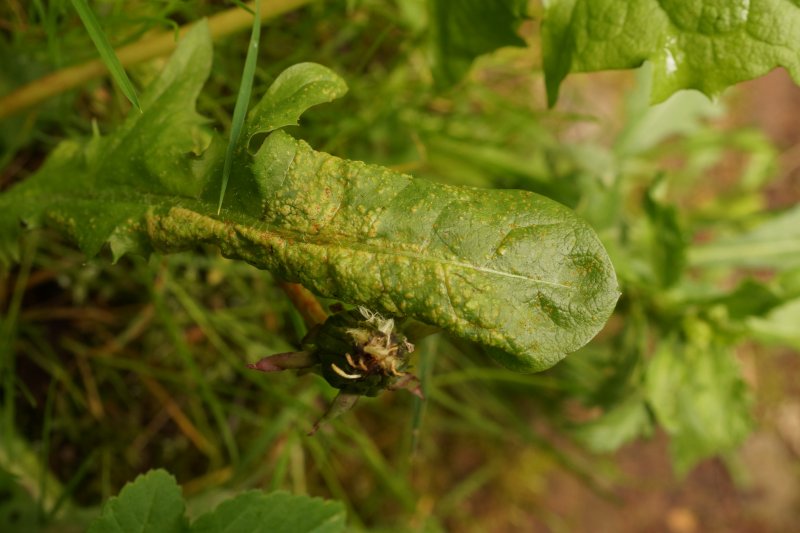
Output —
<point x="110" y="370"/>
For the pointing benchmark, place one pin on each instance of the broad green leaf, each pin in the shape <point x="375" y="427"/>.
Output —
<point x="698" y="396"/>
<point x="151" y="503"/>
<point x="511" y="270"/>
<point x="462" y="30"/>
<point x="705" y="45"/>
<point x="773" y="244"/>
<point x="276" y="512"/>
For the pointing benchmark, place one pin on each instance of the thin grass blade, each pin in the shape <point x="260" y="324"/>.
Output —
<point x="105" y="50"/>
<point x="242" y="100"/>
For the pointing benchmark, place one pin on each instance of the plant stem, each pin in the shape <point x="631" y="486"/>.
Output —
<point x="156" y="45"/>
<point x="306" y="303"/>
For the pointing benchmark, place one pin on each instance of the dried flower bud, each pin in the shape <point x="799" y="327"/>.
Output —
<point x="360" y="352"/>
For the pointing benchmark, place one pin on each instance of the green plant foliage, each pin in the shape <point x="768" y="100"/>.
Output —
<point x="625" y="422"/>
<point x="697" y="394"/>
<point x="462" y="30"/>
<point x="276" y="512"/>
<point x="153" y="503"/>
<point x="509" y="269"/>
<point x="773" y="244"/>
<point x="18" y="511"/>
<point x="512" y="270"/>
<point x="707" y="45"/>
<point x="750" y="298"/>
<point x="298" y="88"/>
<point x="110" y="370"/>
<point x="153" y="152"/>
<point x="686" y="320"/>
<point x="779" y="326"/>
<point x="668" y="242"/>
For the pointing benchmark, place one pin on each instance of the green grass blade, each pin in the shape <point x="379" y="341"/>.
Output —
<point x="107" y="54"/>
<point x="427" y="351"/>
<point x="208" y="395"/>
<point x="9" y="324"/>
<point x="242" y="100"/>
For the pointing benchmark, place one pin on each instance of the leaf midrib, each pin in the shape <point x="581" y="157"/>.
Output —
<point x="204" y="209"/>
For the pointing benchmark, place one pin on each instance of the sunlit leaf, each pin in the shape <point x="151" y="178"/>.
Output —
<point x="705" y="45"/>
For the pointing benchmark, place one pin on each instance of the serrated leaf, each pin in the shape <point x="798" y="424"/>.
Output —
<point x="277" y="512"/>
<point x="89" y="191"/>
<point x="511" y="270"/>
<point x="699" y="398"/>
<point x="152" y="503"/>
<point x="462" y="30"/>
<point x="706" y="45"/>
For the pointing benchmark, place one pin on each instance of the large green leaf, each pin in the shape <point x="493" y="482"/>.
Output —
<point x="151" y="504"/>
<point x="511" y="270"/>
<point x="706" y="45"/>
